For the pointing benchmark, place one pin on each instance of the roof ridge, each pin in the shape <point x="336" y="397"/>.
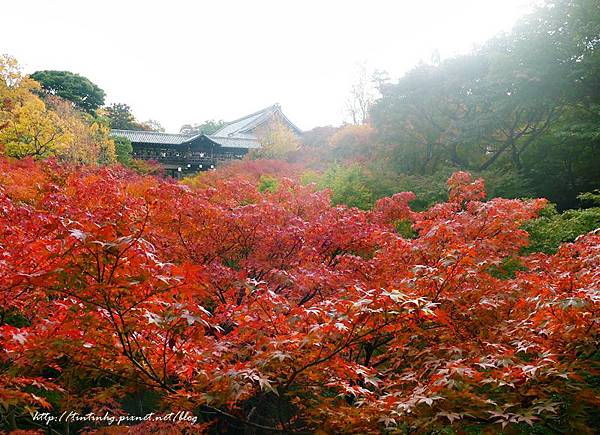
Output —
<point x="258" y="112"/>
<point x="210" y="136"/>
<point x="149" y="132"/>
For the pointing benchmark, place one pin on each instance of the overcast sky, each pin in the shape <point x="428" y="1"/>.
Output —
<point x="187" y="61"/>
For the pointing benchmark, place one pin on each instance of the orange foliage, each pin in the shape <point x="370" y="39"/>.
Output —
<point x="274" y="311"/>
<point x="251" y="170"/>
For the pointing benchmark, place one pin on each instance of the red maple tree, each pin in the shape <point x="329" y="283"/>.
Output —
<point x="277" y="312"/>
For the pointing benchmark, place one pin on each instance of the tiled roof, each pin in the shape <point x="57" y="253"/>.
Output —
<point x="236" y="142"/>
<point x="152" y="137"/>
<point x="235" y="134"/>
<point x="244" y="126"/>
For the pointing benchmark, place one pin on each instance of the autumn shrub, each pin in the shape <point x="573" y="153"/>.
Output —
<point x="350" y="185"/>
<point x="552" y="228"/>
<point x="146" y="167"/>
<point x="251" y="170"/>
<point x="275" y="311"/>
<point x="362" y="184"/>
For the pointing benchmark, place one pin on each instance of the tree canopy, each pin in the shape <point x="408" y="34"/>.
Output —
<point x="121" y="117"/>
<point x="526" y="101"/>
<point x="271" y="310"/>
<point x="86" y="95"/>
<point x="207" y="127"/>
<point x="390" y="276"/>
<point x="34" y="127"/>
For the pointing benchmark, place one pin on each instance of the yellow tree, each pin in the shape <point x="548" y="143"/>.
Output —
<point x="277" y="142"/>
<point x="33" y="130"/>
<point x="14" y="89"/>
<point x="352" y="142"/>
<point x="86" y="139"/>
<point x="31" y="127"/>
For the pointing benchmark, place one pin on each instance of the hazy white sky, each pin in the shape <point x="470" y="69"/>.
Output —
<point x="183" y="62"/>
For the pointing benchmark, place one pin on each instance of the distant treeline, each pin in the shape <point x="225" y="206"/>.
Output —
<point x="523" y="110"/>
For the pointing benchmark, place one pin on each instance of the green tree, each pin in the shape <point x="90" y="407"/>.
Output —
<point x="123" y="150"/>
<point x="86" y="95"/>
<point x="526" y="102"/>
<point x="552" y="229"/>
<point x="152" y="125"/>
<point x="120" y="117"/>
<point x="350" y="185"/>
<point x="207" y="127"/>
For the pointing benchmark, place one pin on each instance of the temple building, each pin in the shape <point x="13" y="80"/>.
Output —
<point x="184" y="154"/>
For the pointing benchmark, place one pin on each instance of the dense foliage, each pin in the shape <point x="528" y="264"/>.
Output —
<point x="525" y="106"/>
<point x="207" y="127"/>
<point x="526" y="101"/>
<point x="304" y="293"/>
<point x="120" y="117"/>
<point x="361" y="185"/>
<point x="275" y="311"/>
<point x="34" y="127"/>
<point x="85" y="94"/>
<point x="123" y="149"/>
<point x="552" y="229"/>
